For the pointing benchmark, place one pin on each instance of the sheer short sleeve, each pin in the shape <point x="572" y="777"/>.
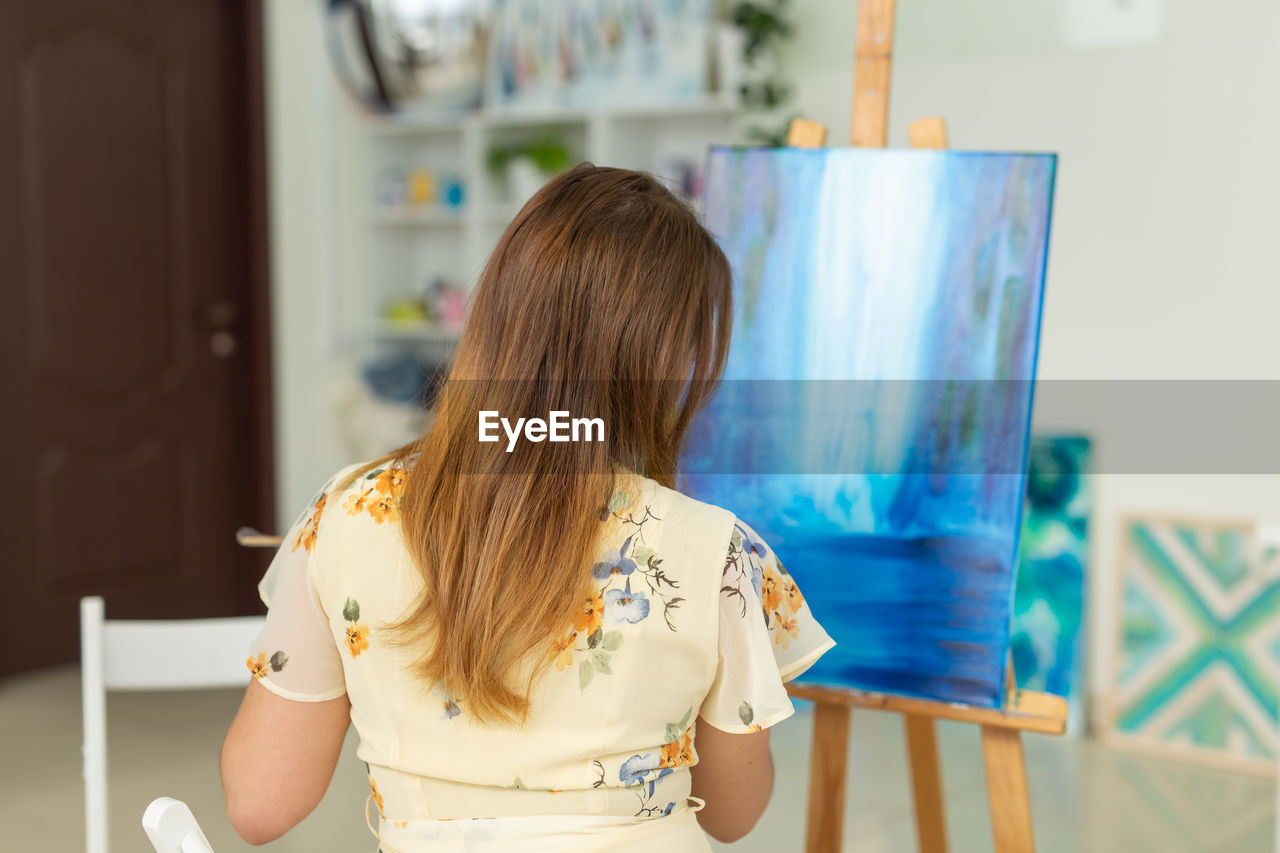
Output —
<point x="296" y="655"/>
<point x="768" y="636"/>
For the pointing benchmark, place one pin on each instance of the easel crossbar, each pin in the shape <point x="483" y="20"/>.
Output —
<point x="1027" y="710"/>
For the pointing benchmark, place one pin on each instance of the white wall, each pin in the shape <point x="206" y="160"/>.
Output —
<point x="1162" y="258"/>
<point x="309" y="131"/>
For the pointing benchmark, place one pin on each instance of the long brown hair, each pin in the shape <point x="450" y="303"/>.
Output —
<point x="604" y="297"/>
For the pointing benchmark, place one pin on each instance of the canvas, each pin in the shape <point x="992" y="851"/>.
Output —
<point x="1197" y="672"/>
<point x="1048" y="603"/>
<point x="874" y="421"/>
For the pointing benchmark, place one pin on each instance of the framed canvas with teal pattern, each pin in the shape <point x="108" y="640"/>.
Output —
<point x="1197" y="669"/>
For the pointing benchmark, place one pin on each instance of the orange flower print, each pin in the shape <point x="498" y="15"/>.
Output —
<point x="357" y="639"/>
<point x="772" y="590"/>
<point x="258" y="665"/>
<point x="562" y="652"/>
<point x="384" y="508"/>
<point x="791" y="595"/>
<point x="590" y="615"/>
<point x="390" y="482"/>
<point x="261" y="664"/>
<point x="786" y="629"/>
<point x="357" y="634"/>
<point x="377" y="798"/>
<point x="307" y="535"/>
<point x="678" y="753"/>
<point x="356" y="503"/>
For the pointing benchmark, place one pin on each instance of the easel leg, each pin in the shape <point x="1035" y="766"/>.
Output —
<point x="1007" y="790"/>
<point x="926" y="783"/>
<point x="824" y="831"/>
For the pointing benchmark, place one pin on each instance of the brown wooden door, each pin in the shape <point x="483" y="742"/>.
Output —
<point x="132" y="321"/>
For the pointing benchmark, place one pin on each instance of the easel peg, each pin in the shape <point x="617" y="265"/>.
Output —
<point x="928" y="133"/>
<point x="805" y="133"/>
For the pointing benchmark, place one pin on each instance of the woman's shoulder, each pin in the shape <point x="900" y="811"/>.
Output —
<point x="681" y="508"/>
<point x="370" y="488"/>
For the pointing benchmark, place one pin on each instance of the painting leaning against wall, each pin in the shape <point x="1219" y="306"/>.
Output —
<point x="1048" y="603"/>
<point x="1197" y="667"/>
<point x="874" y="420"/>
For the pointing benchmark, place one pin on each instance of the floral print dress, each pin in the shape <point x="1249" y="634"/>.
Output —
<point x="690" y="619"/>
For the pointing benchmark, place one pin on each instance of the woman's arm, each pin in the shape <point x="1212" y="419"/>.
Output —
<point x="278" y="760"/>
<point x="734" y="774"/>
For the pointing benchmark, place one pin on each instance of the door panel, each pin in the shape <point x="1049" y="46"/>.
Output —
<point x="133" y="438"/>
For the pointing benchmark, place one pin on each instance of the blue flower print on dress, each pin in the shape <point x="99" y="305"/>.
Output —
<point x="637" y="773"/>
<point x="447" y="701"/>
<point x="614" y="562"/>
<point x="636" y="767"/>
<point x="623" y="605"/>
<point x="752" y="546"/>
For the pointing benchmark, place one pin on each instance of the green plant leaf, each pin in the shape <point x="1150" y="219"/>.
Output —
<point x="746" y="713"/>
<point x="351" y="610"/>
<point x="278" y="660"/>
<point x="600" y="660"/>
<point x="612" y="640"/>
<point x="642" y="554"/>
<point x="548" y="155"/>
<point x="594" y="639"/>
<point x="585" y="673"/>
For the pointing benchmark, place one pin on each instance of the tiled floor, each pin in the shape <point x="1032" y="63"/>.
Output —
<point x="1086" y="799"/>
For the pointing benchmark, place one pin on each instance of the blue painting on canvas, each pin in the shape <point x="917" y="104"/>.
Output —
<point x="874" y="421"/>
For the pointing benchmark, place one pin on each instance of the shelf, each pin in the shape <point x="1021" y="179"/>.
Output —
<point x="415" y="330"/>
<point x="712" y="105"/>
<point x="409" y="125"/>
<point x="501" y="212"/>
<point x="418" y="217"/>
<point x="532" y="116"/>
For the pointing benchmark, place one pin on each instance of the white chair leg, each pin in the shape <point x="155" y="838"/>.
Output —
<point x="93" y="702"/>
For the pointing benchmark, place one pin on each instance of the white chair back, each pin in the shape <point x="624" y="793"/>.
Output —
<point x="162" y="654"/>
<point x="172" y="827"/>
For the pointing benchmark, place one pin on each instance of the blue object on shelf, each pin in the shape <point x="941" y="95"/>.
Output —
<point x="453" y="192"/>
<point x="404" y="379"/>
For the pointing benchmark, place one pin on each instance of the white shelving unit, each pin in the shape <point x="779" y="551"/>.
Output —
<point x="384" y="254"/>
<point x="400" y="252"/>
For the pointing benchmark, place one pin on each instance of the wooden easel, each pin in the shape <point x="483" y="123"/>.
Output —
<point x="1023" y="710"/>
